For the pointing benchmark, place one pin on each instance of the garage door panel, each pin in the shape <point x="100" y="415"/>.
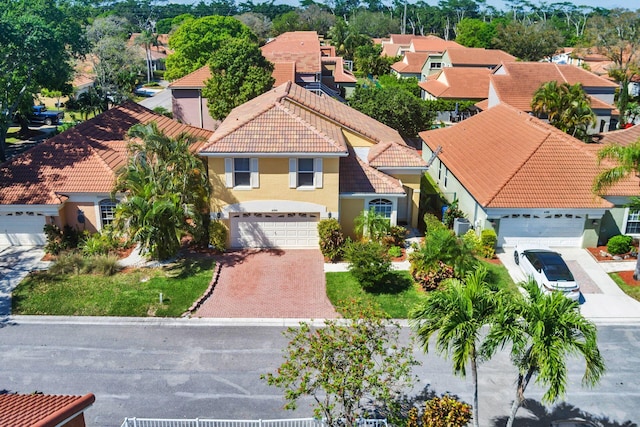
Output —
<point x="551" y="230"/>
<point x="22" y="229"/>
<point x="290" y="230"/>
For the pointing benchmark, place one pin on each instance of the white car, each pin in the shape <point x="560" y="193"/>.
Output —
<point x="548" y="269"/>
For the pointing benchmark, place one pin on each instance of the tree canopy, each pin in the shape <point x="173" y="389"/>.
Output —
<point x="239" y="73"/>
<point x="197" y="39"/>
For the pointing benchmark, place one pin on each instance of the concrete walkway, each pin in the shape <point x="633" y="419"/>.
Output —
<point x="605" y="303"/>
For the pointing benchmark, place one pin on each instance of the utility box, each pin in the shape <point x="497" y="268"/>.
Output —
<point x="461" y="226"/>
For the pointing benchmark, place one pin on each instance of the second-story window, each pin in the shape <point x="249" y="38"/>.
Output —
<point x="242" y="172"/>
<point x="305" y="172"/>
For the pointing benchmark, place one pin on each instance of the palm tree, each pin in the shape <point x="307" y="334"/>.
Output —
<point x="543" y="329"/>
<point x="457" y="314"/>
<point x="627" y="159"/>
<point x="371" y="225"/>
<point x="147" y="39"/>
<point x="165" y="191"/>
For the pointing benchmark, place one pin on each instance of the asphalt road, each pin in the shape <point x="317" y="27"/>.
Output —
<point x="177" y="371"/>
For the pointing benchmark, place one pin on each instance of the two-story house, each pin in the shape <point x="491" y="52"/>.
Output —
<point x="288" y="158"/>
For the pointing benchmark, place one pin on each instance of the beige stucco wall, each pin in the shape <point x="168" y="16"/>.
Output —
<point x="356" y="140"/>
<point x="69" y="216"/>
<point x="349" y="210"/>
<point x="274" y="185"/>
<point x="190" y="108"/>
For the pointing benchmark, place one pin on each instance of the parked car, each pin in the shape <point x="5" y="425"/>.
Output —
<point x="40" y="114"/>
<point x="573" y="422"/>
<point x="548" y="269"/>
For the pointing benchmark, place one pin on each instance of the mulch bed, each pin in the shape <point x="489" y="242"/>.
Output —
<point x="597" y="252"/>
<point x="627" y="276"/>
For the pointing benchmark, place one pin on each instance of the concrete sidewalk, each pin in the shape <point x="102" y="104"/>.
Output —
<point x="610" y="305"/>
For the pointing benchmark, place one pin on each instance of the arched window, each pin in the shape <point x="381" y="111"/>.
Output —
<point x="382" y="207"/>
<point x="107" y="211"/>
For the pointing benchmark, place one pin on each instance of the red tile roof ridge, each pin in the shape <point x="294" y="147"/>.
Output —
<point x="391" y="181"/>
<point x="380" y="148"/>
<point x="309" y="126"/>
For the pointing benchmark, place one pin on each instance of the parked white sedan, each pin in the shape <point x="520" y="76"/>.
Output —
<point x="548" y="269"/>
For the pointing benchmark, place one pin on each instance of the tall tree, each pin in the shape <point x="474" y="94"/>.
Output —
<point x="343" y="364"/>
<point x="617" y="36"/>
<point x="239" y="73"/>
<point x="147" y="39"/>
<point x="471" y="32"/>
<point x="566" y="106"/>
<point x="165" y="190"/>
<point x="543" y="331"/>
<point x="37" y="45"/>
<point x="195" y="41"/>
<point x="627" y="163"/>
<point x="457" y="314"/>
<point x="258" y="23"/>
<point x="528" y="42"/>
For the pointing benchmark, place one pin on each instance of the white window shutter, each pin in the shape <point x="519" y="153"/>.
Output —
<point x="228" y="172"/>
<point x="255" y="177"/>
<point x="317" y="171"/>
<point x="293" y="173"/>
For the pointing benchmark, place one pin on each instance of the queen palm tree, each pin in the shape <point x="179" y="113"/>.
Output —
<point x="147" y="39"/>
<point x="543" y="329"/>
<point x="627" y="160"/>
<point x="457" y="314"/>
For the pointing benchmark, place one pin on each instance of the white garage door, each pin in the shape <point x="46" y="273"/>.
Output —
<point x="274" y="230"/>
<point x="22" y="229"/>
<point x="548" y="230"/>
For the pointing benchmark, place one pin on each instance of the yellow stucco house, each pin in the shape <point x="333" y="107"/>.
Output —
<point x="285" y="160"/>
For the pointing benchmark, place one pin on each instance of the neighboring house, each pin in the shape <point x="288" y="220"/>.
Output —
<point x="67" y="180"/>
<point x="158" y="52"/>
<point x="515" y="83"/>
<point x="297" y="56"/>
<point x="410" y="65"/>
<point x="288" y="158"/>
<point x="44" y="410"/>
<point x="397" y="44"/>
<point x="527" y="180"/>
<point x="457" y="84"/>
<point x="464" y="57"/>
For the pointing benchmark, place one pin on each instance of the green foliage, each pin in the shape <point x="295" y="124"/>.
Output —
<point x="430" y="278"/>
<point x="446" y="411"/>
<point x="369" y="263"/>
<point x="344" y="364"/>
<point x="98" y="244"/>
<point x="473" y="32"/>
<point x="409" y="84"/>
<point x="488" y="241"/>
<point x="196" y="40"/>
<point x="60" y="240"/>
<point x="396" y="108"/>
<point x="432" y="223"/>
<point x="452" y="212"/>
<point x="528" y="42"/>
<point x="367" y="61"/>
<point x="218" y="235"/>
<point x="290" y="21"/>
<point x="68" y="263"/>
<point x="370" y="225"/>
<point x="626" y="161"/>
<point x="104" y="265"/>
<point x="472" y="240"/>
<point x="239" y="73"/>
<point x="395" y="252"/>
<point x="396" y="236"/>
<point x="331" y="238"/>
<point x="619" y="244"/>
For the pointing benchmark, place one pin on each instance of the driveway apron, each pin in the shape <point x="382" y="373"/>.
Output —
<point x="270" y="284"/>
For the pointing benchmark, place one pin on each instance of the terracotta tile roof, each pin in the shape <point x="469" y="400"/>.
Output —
<point x="389" y="155"/>
<point x="525" y="164"/>
<point x="432" y="44"/>
<point x="517" y="87"/>
<point x="621" y="136"/>
<point x="340" y="75"/>
<point x="411" y="63"/>
<point x="404" y="39"/>
<point x="41" y="410"/>
<point x="390" y="49"/>
<point x="458" y="83"/>
<point x="194" y="80"/>
<point x="358" y="177"/>
<point x="301" y="47"/>
<point x="93" y="151"/>
<point x="466" y="57"/>
<point x="283" y="72"/>
<point x="482" y="105"/>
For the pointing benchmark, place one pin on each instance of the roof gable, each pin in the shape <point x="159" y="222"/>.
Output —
<point x="525" y="164"/>
<point x="41" y="410"/>
<point x="301" y="47"/>
<point x="467" y="56"/>
<point x="411" y="63"/>
<point x="458" y="83"/>
<point x="432" y="43"/>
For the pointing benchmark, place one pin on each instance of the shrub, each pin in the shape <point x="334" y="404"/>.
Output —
<point x="396" y="236"/>
<point x="432" y="223"/>
<point x="218" y="235"/>
<point x="472" y="240"/>
<point x="68" y="263"/>
<point x="619" y="244"/>
<point x="331" y="238"/>
<point x="54" y="239"/>
<point x="370" y="225"/>
<point x="70" y="237"/>
<point x="488" y="241"/>
<point x="446" y="411"/>
<point x="369" y="263"/>
<point x="451" y="214"/>
<point x="395" y="252"/>
<point x="106" y="265"/>
<point x="97" y="244"/>
<point x="429" y="279"/>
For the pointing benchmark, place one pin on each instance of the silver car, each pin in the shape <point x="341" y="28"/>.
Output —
<point x="549" y="271"/>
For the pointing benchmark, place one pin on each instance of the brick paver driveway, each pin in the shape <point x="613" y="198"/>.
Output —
<point x="270" y="284"/>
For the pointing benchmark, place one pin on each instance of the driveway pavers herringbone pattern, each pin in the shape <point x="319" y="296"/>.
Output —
<point x="270" y="284"/>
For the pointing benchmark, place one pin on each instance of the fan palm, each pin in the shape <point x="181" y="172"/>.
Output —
<point x="457" y="314"/>
<point x="543" y="329"/>
<point x="627" y="159"/>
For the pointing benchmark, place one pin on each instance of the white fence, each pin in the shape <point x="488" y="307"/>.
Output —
<point x="203" y="422"/>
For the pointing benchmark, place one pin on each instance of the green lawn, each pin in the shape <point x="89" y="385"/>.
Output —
<point x="632" y="291"/>
<point x="398" y="299"/>
<point x="134" y="293"/>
